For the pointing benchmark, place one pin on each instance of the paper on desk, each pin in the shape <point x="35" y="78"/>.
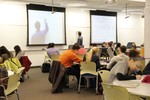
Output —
<point x="128" y="83"/>
<point x="133" y="85"/>
<point x="10" y="72"/>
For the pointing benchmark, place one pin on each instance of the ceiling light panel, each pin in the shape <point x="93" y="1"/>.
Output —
<point x="138" y="0"/>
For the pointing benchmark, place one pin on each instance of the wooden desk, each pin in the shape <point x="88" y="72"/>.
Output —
<point x="135" y="87"/>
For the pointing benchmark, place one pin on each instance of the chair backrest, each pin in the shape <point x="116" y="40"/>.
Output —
<point x="7" y="65"/>
<point x="104" y="75"/>
<point x="88" y="68"/>
<point x="13" y="83"/>
<point x="113" y="92"/>
<point x="20" y="70"/>
<point x="55" y="57"/>
<point x="10" y="66"/>
<point x="16" y="62"/>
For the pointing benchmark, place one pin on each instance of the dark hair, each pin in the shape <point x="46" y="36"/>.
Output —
<point x="123" y="48"/>
<point x="79" y="33"/>
<point x="118" y="45"/>
<point x="51" y="45"/>
<point x="134" y="54"/>
<point x="94" y="45"/>
<point x="4" y="50"/>
<point x="76" y="46"/>
<point x="17" y="49"/>
<point x="109" y="44"/>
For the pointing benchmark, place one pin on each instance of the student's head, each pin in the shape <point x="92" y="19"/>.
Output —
<point x="17" y="49"/>
<point x="104" y="44"/>
<point x="4" y="50"/>
<point x="118" y="45"/>
<point x="4" y="57"/>
<point x="135" y="60"/>
<point x="133" y="46"/>
<point x="76" y="46"/>
<point x="79" y="33"/>
<point x="37" y="25"/>
<point x="110" y="44"/>
<point x="51" y="45"/>
<point x="122" y="49"/>
<point x="94" y="45"/>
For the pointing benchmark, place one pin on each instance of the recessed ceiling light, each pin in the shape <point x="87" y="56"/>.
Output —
<point x="138" y="0"/>
<point x="111" y="1"/>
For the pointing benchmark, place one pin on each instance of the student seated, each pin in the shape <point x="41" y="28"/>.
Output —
<point x="68" y="58"/>
<point x="5" y="53"/>
<point x="18" y="52"/>
<point x="93" y="55"/>
<point x="118" y="45"/>
<point x="119" y="57"/>
<point x="127" y="70"/>
<point x="51" y="50"/>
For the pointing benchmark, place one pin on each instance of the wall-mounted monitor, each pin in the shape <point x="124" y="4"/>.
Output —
<point x="103" y="26"/>
<point x="45" y="24"/>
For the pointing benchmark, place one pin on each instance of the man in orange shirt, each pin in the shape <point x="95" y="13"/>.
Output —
<point x="68" y="58"/>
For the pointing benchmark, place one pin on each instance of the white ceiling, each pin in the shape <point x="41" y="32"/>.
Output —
<point x="133" y="5"/>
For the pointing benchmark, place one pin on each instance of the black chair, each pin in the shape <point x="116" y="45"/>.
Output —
<point x="104" y="54"/>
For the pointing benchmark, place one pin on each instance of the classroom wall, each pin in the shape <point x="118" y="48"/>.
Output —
<point x="13" y="29"/>
<point x="130" y="29"/>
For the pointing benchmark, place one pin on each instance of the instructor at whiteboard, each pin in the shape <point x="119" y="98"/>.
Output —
<point x="80" y="38"/>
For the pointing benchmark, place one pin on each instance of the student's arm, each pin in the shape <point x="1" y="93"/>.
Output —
<point x="120" y="76"/>
<point x="75" y="58"/>
<point x="112" y="61"/>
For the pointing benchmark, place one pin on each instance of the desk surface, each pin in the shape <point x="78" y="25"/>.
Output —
<point x="104" y="63"/>
<point x="135" y="87"/>
<point x="10" y="73"/>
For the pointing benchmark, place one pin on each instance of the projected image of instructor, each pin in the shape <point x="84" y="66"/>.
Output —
<point x="39" y="36"/>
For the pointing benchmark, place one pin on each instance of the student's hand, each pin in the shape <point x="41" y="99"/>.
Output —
<point x="138" y="77"/>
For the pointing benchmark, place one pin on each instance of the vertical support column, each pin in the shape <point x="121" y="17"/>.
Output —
<point x="147" y="30"/>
